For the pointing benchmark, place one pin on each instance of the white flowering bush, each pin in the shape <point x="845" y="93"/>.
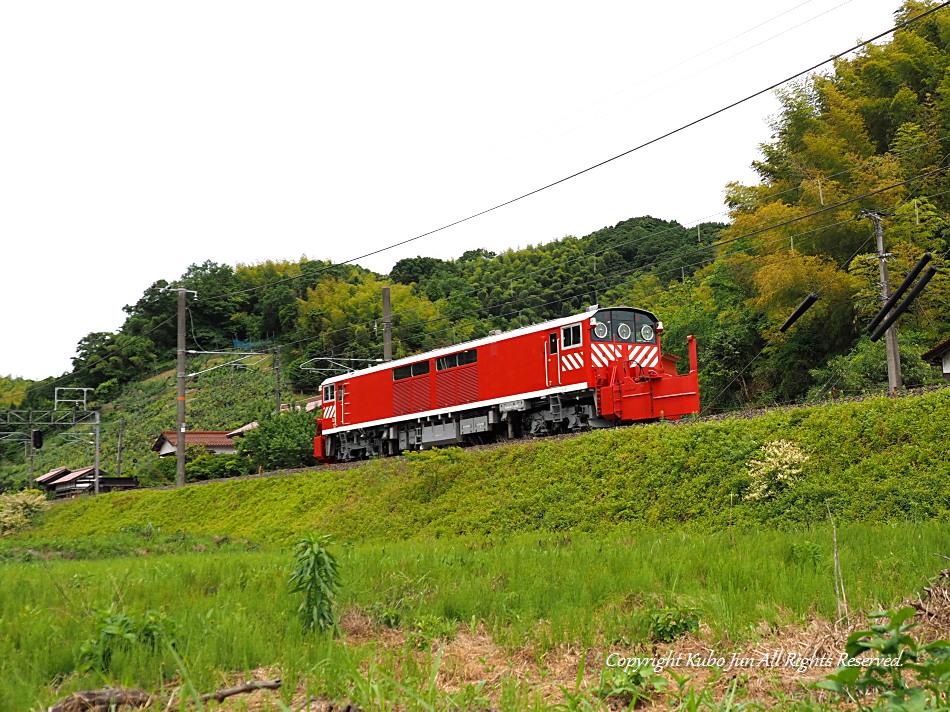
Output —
<point x="776" y="467"/>
<point x="17" y="509"/>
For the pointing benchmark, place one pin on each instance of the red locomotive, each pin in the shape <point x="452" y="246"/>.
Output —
<point x="592" y="370"/>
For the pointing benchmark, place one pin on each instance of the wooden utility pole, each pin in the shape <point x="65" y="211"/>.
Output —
<point x="180" y="439"/>
<point x="893" y="356"/>
<point x="387" y="327"/>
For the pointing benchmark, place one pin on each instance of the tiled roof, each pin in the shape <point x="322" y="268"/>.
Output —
<point x="212" y="438"/>
<point x="936" y="352"/>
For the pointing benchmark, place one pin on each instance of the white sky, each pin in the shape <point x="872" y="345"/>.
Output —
<point x="138" y="138"/>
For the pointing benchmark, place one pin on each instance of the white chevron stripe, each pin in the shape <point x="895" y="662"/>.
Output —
<point x="595" y="357"/>
<point x="572" y="362"/>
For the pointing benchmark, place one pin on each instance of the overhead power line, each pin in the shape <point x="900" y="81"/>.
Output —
<point x="618" y="156"/>
<point x="600" y="164"/>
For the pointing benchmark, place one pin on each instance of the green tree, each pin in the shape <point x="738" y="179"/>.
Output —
<point x="281" y="440"/>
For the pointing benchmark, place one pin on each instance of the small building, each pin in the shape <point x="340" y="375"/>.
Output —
<point x="68" y="483"/>
<point x="215" y="442"/>
<point x="939" y="355"/>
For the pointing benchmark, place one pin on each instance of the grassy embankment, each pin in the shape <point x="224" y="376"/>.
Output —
<point x="876" y="461"/>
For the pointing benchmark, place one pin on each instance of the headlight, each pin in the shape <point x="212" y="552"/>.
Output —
<point x="601" y="330"/>
<point x="646" y="332"/>
<point x="624" y="332"/>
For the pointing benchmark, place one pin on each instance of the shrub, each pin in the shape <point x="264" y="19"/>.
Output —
<point x="213" y="467"/>
<point x="316" y="576"/>
<point x="776" y="470"/>
<point x="667" y="624"/>
<point x="280" y="440"/>
<point x="629" y="685"/>
<point x="119" y="632"/>
<point x="886" y="651"/>
<point x="18" y="509"/>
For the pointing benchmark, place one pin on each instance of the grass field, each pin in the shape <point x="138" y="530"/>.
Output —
<point x="530" y="596"/>
<point x="495" y="578"/>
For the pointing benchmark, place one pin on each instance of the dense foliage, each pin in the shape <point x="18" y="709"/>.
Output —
<point x="280" y="440"/>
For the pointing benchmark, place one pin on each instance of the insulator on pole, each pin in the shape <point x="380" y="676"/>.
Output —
<point x="899" y="292"/>
<point x="802" y="308"/>
<point x="902" y="307"/>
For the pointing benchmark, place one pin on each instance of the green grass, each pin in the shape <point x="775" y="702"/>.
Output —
<point x="542" y="544"/>
<point x="878" y="461"/>
<point x="233" y="611"/>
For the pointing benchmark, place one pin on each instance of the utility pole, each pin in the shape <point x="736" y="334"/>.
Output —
<point x="387" y="327"/>
<point x="118" y="457"/>
<point x="890" y="336"/>
<point x="277" y="379"/>
<point x="180" y="439"/>
<point x="96" y="465"/>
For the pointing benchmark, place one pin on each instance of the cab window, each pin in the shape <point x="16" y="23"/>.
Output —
<point x="645" y="330"/>
<point x="623" y="326"/>
<point x="571" y="336"/>
<point x="329" y="393"/>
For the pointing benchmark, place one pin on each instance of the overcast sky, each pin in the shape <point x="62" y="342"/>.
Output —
<point x="138" y="138"/>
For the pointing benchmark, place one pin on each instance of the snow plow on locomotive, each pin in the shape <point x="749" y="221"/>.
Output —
<point x="598" y="369"/>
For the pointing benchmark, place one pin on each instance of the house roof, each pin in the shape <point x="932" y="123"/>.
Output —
<point x="310" y="404"/>
<point x="73" y="476"/>
<point x="212" y="438"/>
<point x="65" y="475"/>
<point x="242" y="429"/>
<point x="52" y="475"/>
<point x="937" y="352"/>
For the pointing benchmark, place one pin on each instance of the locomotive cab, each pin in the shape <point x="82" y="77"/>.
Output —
<point x="626" y="336"/>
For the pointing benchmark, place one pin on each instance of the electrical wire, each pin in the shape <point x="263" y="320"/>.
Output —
<point x="628" y="152"/>
<point x="600" y="164"/>
<point x="652" y="235"/>
<point x="659" y="262"/>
